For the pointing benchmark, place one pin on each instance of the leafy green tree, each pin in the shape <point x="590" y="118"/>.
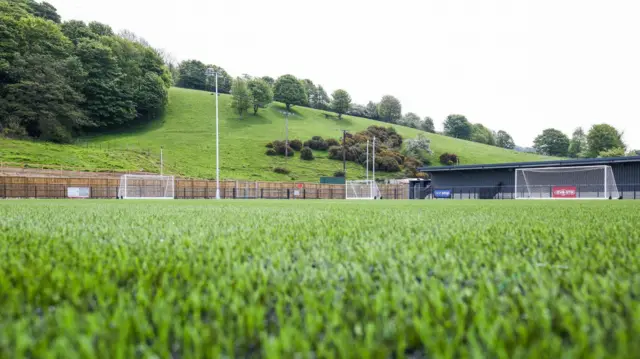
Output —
<point x="458" y="126"/>
<point x="38" y="96"/>
<point x="633" y="153"/>
<point x="321" y="99"/>
<point x="241" y="100"/>
<point x="261" y="94"/>
<point x="504" y="140"/>
<point x="603" y="137"/>
<point x="100" y="29"/>
<point x="419" y="147"/>
<point x="481" y="134"/>
<point x="427" y="125"/>
<point x="289" y="91"/>
<point x="390" y="109"/>
<point x="77" y="30"/>
<point x="269" y="80"/>
<point x="310" y="90"/>
<point x="44" y="10"/>
<point x="193" y="74"/>
<point x="410" y="119"/>
<point x="552" y="142"/>
<point x="578" y="144"/>
<point x="341" y="102"/>
<point x="613" y="152"/>
<point x="371" y="110"/>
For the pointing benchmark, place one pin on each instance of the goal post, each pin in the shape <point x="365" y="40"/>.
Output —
<point x="146" y="187"/>
<point x="583" y="182"/>
<point x="361" y="189"/>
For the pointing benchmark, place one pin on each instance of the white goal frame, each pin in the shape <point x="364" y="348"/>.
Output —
<point x="361" y="189"/>
<point x="161" y="187"/>
<point x="608" y="185"/>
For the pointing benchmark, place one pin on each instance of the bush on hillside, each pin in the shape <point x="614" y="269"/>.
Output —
<point x="332" y="142"/>
<point x="338" y="174"/>
<point x="271" y="152"/>
<point x="296" y="144"/>
<point x="280" y="147"/>
<point x="269" y="145"/>
<point x="306" y="154"/>
<point x="449" y="159"/>
<point x="387" y="164"/>
<point x="353" y="153"/>
<point x="317" y="143"/>
<point x="281" y="170"/>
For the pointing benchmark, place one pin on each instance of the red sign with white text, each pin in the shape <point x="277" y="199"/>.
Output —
<point x="564" y="192"/>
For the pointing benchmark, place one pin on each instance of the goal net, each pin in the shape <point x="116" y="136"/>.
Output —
<point x="146" y="187"/>
<point x="586" y="182"/>
<point x="362" y="189"/>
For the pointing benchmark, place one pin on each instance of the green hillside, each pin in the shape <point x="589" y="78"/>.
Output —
<point x="187" y="132"/>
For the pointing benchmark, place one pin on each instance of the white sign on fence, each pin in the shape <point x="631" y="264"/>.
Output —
<point x="78" y="192"/>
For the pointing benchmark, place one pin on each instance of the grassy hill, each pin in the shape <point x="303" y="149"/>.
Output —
<point x="187" y="132"/>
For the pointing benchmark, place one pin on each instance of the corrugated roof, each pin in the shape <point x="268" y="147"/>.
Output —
<point x="557" y="163"/>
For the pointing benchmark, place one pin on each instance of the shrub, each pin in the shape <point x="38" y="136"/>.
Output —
<point x="387" y="164"/>
<point x="332" y="142"/>
<point x="353" y="153"/>
<point x="306" y="154"/>
<point x="449" y="159"/>
<point x="279" y="147"/>
<point x="296" y="144"/>
<point x="338" y="174"/>
<point x="281" y="170"/>
<point x="271" y="152"/>
<point x="269" y="145"/>
<point x="317" y="143"/>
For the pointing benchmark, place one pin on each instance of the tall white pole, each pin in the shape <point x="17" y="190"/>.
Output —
<point x="161" y="163"/>
<point x="286" y="136"/>
<point x="374" y="167"/>
<point x="217" y="145"/>
<point x="367" y="162"/>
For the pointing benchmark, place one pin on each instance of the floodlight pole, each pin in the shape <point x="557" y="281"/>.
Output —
<point x="344" y="153"/>
<point x="374" y="165"/>
<point x="161" y="162"/>
<point x="286" y="135"/>
<point x="217" y="145"/>
<point x="367" y="160"/>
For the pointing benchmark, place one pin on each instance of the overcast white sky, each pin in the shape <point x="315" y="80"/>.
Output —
<point x="517" y="65"/>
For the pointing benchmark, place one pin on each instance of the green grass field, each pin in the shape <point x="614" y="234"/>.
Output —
<point x="187" y="132"/>
<point x="319" y="279"/>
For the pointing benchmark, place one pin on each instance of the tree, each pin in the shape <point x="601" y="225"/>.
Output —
<point x="100" y="29"/>
<point x="241" y="100"/>
<point x="458" y="126"/>
<point x="603" y="137"/>
<point x="390" y="109"/>
<point x="341" y="102"/>
<point x="552" y="142"/>
<point x="76" y="30"/>
<point x="310" y="91"/>
<point x="578" y="144"/>
<point x="427" y="125"/>
<point x="45" y="11"/>
<point x="192" y="75"/>
<point x="410" y="119"/>
<point x="261" y="94"/>
<point x="289" y="91"/>
<point x="321" y="99"/>
<point x="269" y="80"/>
<point x="371" y="110"/>
<point x="481" y="134"/>
<point x="613" y="152"/>
<point x="419" y="147"/>
<point x="504" y="140"/>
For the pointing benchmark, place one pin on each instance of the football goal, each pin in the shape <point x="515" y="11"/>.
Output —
<point x="585" y="182"/>
<point x="146" y="187"/>
<point x="361" y="189"/>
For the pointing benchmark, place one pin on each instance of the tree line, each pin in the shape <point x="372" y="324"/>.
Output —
<point x="60" y="79"/>
<point x="602" y="140"/>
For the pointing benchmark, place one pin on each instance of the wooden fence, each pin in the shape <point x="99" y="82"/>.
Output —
<point x="107" y="187"/>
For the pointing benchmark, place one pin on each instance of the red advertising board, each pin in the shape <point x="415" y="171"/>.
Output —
<point x="564" y="192"/>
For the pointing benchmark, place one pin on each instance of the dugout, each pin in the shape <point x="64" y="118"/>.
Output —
<point x="497" y="181"/>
